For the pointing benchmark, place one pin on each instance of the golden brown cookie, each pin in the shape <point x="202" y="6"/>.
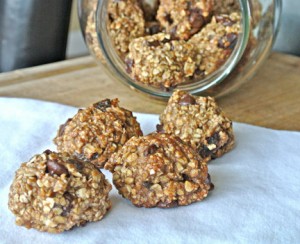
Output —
<point x="94" y="133"/>
<point x="159" y="170"/>
<point x="159" y="61"/>
<point x="55" y="192"/>
<point x="198" y="121"/>
<point x="184" y="18"/>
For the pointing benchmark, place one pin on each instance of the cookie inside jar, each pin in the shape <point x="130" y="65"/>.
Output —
<point x="167" y="43"/>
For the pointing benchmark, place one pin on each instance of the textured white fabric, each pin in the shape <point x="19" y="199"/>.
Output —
<point x="256" y="196"/>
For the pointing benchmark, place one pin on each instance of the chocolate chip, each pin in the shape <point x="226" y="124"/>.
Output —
<point x="69" y="197"/>
<point x="228" y="41"/>
<point x="196" y="20"/>
<point x="167" y="89"/>
<point x="173" y="33"/>
<point x="150" y="150"/>
<point x="94" y="156"/>
<point x="187" y="99"/>
<point x="232" y="39"/>
<point x="169" y="19"/>
<point x="222" y="43"/>
<point x="160" y="128"/>
<point x="224" y="20"/>
<point x="153" y="43"/>
<point x="53" y="167"/>
<point x="83" y="223"/>
<point x="79" y="156"/>
<point x="214" y="139"/>
<point x="47" y="152"/>
<point x="204" y="152"/>
<point x="153" y="29"/>
<point x="208" y="179"/>
<point x="168" y="205"/>
<point x="67" y="209"/>
<point x="103" y="105"/>
<point x="129" y="64"/>
<point x="165" y="40"/>
<point x="147" y="184"/>
<point x="78" y="164"/>
<point x="185" y="177"/>
<point x="110" y="17"/>
<point x="63" y="127"/>
<point x="208" y="182"/>
<point x="198" y="74"/>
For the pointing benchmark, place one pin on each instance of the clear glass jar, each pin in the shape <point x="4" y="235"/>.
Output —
<point x="259" y="24"/>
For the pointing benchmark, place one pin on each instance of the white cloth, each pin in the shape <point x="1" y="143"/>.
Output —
<point x="255" y="200"/>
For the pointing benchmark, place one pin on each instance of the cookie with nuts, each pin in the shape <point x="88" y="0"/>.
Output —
<point x="54" y="192"/>
<point x="184" y="18"/>
<point x="198" y="121"/>
<point x="159" y="170"/>
<point x="94" y="133"/>
<point x="159" y="61"/>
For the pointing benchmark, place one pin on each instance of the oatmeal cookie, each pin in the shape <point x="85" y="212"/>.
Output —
<point x="125" y="22"/>
<point x="96" y="132"/>
<point x="159" y="170"/>
<point x="55" y="192"/>
<point x="199" y="122"/>
<point x="216" y="41"/>
<point x="184" y="18"/>
<point x="159" y="61"/>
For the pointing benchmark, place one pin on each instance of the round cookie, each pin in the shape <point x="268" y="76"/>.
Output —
<point x="215" y="42"/>
<point x="184" y="18"/>
<point x="159" y="61"/>
<point x="199" y="122"/>
<point x="159" y="170"/>
<point x="96" y="132"/>
<point x="54" y="192"/>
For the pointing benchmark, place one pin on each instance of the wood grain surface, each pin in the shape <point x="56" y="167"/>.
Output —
<point x="270" y="99"/>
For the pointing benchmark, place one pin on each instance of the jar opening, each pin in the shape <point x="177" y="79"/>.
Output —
<point x="117" y="66"/>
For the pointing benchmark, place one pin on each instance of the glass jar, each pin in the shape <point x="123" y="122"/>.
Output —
<point x="259" y="25"/>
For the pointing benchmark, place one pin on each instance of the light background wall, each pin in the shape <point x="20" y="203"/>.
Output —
<point x="289" y="35"/>
<point x="288" y="38"/>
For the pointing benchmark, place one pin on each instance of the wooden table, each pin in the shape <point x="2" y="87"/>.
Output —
<point x="271" y="99"/>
